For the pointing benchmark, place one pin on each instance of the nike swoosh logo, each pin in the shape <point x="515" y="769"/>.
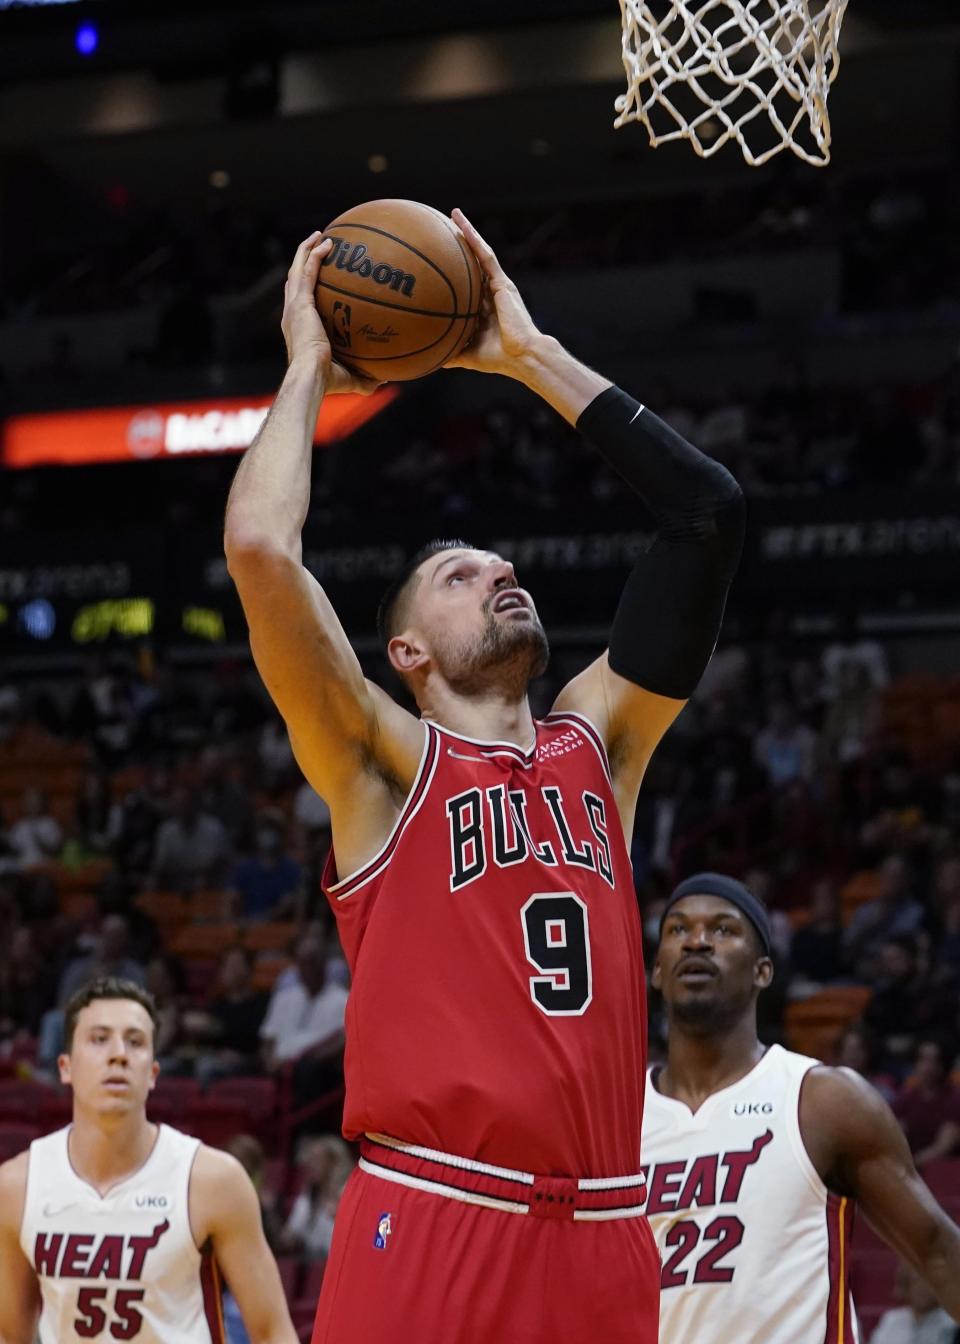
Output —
<point x="474" y="760"/>
<point x="54" y="1210"/>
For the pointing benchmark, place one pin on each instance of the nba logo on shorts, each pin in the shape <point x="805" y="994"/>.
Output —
<point x="384" y="1229"/>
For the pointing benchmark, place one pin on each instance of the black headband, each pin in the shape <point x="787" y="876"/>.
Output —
<point x="728" y="889"/>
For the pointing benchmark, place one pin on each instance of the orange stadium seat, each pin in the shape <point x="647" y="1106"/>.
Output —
<point x="813" y="1024"/>
<point x="266" y="970"/>
<point x="166" y="907"/>
<point x="204" y="940"/>
<point x="210" y="905"/>
<point x="277" y="936"/>
<point x="863" y="886"/>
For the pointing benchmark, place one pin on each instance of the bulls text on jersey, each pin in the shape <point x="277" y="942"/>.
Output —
<point x="501" y="831"/>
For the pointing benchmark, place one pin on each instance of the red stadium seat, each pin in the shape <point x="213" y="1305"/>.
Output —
<point x="257" y="1095"/>
<point x="215" y="1122"/>
<point x="943" y="1177"/>
<point x="14" y="1138"/>
<point x="289" y="1267"/>
<point x="872" y="1277"/>
<point x="171" y="1099"/>
<point x="302" y="1315"/>
<point x="312" y="1279"/>
<point x="56" y="1110"/>
<point x="21" y="1099"/>
<point x="867" y="1316"/>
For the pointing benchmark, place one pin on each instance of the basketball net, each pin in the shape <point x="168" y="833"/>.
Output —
<point x="709" y="71"/>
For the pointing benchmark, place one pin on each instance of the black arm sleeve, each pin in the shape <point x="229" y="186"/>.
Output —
<point x="669" y="616"/>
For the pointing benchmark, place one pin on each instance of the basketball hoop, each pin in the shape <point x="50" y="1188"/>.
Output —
<point x="708" y="71"/>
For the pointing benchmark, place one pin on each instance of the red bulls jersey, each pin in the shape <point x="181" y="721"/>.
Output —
<point x="498" y="1003"/>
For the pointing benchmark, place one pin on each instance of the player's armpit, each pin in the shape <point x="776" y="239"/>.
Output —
<point x="630" y="720"/>
<point x="19" y="1291"/>
<point x="340" y="724"/>
<point x="225" y="1215"/>
<point x="859" y="1149"/>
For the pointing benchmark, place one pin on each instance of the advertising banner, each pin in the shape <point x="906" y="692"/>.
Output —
<point x="165" y="429"/>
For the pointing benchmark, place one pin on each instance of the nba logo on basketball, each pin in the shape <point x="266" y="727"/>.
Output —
<point x="384" y="1228"/>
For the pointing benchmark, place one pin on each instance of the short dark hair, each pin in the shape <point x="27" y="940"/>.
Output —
<point x="393" y="600"/>
<point x="104" y="987"/>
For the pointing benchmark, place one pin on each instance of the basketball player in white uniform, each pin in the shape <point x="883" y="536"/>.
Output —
<point x="106" y="1226"/>
<point x="754" y="1157"/>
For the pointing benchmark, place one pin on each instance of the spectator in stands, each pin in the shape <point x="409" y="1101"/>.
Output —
<point x="227" y="1031"/>
<point x="166" y="981"/>
<point x="726" y="771"/>
<point x="851" y="647"/>
<point x="275" y="754"/>
<point x="37" y="836"/>
<point x="191" y="848"/>
<point x="10" y="707"/>
<point x="816" y="949"/>
<point x="806" y="690"/>
<point x="98" y="818"/>
<point x="325" y="1165"/>
<point x="854" y="716"/>
<point x="310" y="812"/>
<point x="785" y="748"/>
<point x="304" y="1023"/>
<point x="8" y="855"/>
<point x="109" y="956"/>
<point x="249" y="1153"/>
<point x="143" y="810"/>
<point x="223" y="795"/>
<point x="27" y="986"/>
<point x="928" y="1104"/>
<point x="856" y="1049"/>
<point x="901" y="818"/>
<point x="921" y="1321"/>
<point x="890" y="914"/>
<point x="268" y="884"/>
<point x="905" y="1003"/>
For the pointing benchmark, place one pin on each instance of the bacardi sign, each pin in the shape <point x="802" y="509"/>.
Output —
<point x="170" y="429"/>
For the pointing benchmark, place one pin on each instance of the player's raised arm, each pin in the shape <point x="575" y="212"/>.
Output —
<point x="867" y="1157"/>
<point x="669" y="616"/>
<point x="225" y="1216"/>
<point x="339" y="723"/>
<point x="19" y="1293"/>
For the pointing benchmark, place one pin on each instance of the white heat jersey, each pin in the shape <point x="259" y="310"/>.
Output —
<point x="119" y="1267"/>
<point x="754" y="1248"/>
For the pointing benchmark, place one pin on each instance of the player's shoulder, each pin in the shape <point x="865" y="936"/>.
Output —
<point x="839" y="1100"/>
<point x="13" y="1190"/>
<point x="219" y="1180"/>
<point x="221" y="1193"/>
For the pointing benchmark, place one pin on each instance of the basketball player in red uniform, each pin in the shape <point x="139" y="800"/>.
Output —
<point x="755" y="1156"/>
<point x="115" y="1228"/>
<point x="496" y="1034"/>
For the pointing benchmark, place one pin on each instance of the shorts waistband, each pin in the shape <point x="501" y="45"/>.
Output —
<point x="564" y="1198"/>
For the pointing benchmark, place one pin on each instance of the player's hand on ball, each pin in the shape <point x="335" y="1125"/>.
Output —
<point x="506" y="331"/>
<point x="302" y="328"/>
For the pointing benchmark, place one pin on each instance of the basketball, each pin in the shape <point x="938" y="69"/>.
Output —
<point x="399" y="291"/>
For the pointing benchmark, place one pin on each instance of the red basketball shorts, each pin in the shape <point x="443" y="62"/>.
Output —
<point x="432" y="1249"/>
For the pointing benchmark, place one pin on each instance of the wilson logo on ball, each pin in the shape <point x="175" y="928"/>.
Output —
<point x="355" y="260"/>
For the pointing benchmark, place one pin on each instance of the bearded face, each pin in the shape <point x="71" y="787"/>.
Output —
<point x="478" y="627"/>
<point x="506" y="652"/>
